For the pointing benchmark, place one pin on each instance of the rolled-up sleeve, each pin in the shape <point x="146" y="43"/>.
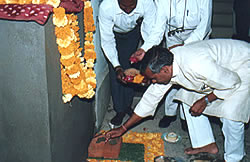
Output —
<point x="150" y="100"/>
<point x="107" y="36"/>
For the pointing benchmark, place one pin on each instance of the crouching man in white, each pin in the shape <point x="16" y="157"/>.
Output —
<point x="216" y="74"/>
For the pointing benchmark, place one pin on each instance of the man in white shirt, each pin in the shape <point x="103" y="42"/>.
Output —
<point x="216" y="76"/>
<point x="182" y="21"/>
<point x="122" y="24"/>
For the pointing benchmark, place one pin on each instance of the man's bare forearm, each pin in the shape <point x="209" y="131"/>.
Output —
<point x="132" y="121"/>
<point x="211" y="97"/>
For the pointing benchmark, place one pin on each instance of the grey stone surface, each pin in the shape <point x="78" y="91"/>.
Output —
<point x="35" y="125"/>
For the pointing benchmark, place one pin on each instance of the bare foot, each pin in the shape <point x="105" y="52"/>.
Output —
<point x="210" y="148"/>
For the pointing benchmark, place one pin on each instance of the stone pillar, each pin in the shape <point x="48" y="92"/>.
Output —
<point x="35" y="125"/>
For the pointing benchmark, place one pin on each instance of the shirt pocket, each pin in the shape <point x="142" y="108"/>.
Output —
<point x="192" y="20"/>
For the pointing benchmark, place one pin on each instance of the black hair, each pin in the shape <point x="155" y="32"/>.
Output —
<point x="156" y="58"/>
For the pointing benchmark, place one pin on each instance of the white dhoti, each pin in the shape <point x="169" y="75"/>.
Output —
<point x="199" y="129"/>
<point x="201" y="134"/>
<point x="234" y="140"/>
<point x="170" y="105"/>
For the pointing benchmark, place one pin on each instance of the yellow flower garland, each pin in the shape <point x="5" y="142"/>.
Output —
<point x="54" y="3"/>
<point x="78" y="76"/>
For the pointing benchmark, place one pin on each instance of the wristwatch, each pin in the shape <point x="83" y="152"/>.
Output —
<point x="207" y="101"/>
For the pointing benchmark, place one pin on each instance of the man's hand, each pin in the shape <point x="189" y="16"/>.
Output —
<point x="138" y="55"/>
<point x="175" y="46"/>
<point x="120" y="74"/>
<point x="198" y="107"/>
<point x="117" y="132"/>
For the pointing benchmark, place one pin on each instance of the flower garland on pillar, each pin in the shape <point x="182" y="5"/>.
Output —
<point x="77" y="73"/>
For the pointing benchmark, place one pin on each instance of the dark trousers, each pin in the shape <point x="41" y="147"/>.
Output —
<point x="242" y="19"/>
<point x="126" y="45"/>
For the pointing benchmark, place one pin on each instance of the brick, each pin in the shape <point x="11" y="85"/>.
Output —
<point x="98" y="148"/>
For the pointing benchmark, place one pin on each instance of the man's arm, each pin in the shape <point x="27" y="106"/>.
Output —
<point x="144" y="108"/>
<point x="117" y="132"/>
<point x="148" y="18"/>
<point x="107" y="35"/>
<point x="204" y="27"/>
<point x="156" y="35"/>
<point x="223" y="81"/>
<point x="200" y="105"/>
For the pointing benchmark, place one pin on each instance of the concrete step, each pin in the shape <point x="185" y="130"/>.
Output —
<point x="222" y="32"/>
<point x="229" y="1"/>
<point x="222" y="7"/>
<point x="223" y="20"/>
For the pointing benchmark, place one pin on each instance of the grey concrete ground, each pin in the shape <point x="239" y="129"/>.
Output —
<point x="177" y="149"/>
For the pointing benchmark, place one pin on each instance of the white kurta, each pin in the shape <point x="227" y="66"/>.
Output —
<point x="190" y="14"/>
<point x="113" y="19"/>
<point x="221" y="66"/>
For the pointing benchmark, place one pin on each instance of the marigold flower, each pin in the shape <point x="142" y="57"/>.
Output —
<point x="90" y="73"/>
<point x="89" y="36"/>
<point x="89" y="54"/>
<point x="89" y="45"/>
<point x="78" y="76"/>
<point x="67" y="97"/>
<point x="39" y="1"/>
<point x="59" y="17"/>
<point x="54" y="3"/>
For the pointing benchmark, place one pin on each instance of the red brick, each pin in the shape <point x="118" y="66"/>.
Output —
<point x="106" y="150"/>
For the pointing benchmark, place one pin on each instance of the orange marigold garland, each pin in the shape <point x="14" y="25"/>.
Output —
<point x="78" y="76"/>
<point x="54" y="3"/>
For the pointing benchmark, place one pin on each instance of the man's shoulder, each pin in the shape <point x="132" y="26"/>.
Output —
<point x="107" y="4"/>
<point x="145" y="3"/>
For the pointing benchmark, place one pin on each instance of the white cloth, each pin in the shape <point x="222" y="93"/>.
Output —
<point x="201" y="134"/>
<point x="170" y="106"/>
<point x="221" y="66"/>
<point x="199" y="129"/>
<point x="113" y="19"/>
<point x="234" y="140"/>
<point x="197" y="16"/>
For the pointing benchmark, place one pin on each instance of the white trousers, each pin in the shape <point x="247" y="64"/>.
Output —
<point x="201" y="134"/>
<point x="170" y="106"/>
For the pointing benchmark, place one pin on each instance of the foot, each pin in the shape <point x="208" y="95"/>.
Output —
<point x="166" y="120"/>
<point x="184" y="126"/>
<point x="210" y="148"/>
<point x="117" y="120"/>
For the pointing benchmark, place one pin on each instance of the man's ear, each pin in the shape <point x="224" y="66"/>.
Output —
<point x="165" y="69"/>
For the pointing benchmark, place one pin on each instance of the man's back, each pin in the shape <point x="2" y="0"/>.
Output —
<point x="225" y="52"/>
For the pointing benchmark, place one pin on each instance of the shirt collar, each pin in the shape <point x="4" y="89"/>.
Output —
<point x="118" y="10"/>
